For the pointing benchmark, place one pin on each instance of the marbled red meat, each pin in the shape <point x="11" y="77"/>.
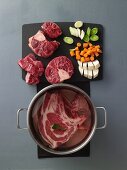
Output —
<point x="30" y="79"/>
<point x="53" y="112"/>
<point x="33" y="68"/>
<point x="51" y="29"/>
<point x="79" y="108"/>
<point x="26" y="61"/>
<point x="59" y="69"/>
<point x="41" y="46"/>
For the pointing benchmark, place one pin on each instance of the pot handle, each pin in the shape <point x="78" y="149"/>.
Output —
<point x="105" y="116"/>
<point x="18" y="126"/>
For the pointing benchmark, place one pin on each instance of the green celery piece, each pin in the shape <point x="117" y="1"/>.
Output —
<point x="94" y="31"/>
<point x="68" y="40"/>
<point x="88" y="31"/>
<point x="86" y="38"/>
<point x="94" y="38"/>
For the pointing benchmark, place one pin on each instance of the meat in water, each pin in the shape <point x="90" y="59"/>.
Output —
<point x="60" y="118"/>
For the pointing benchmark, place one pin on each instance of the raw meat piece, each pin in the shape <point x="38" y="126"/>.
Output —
<point x="39" y="68"/>
<point x="51" y="29"/>
<point x="30" y="79"/>
<point x="59" y="69"/>
<point x="35" y="39"/>
<point x="33" y="68"/>
<point x="31" y="65"/>
<point x="26" y="61"/>
<point x="77" y="109"/>
<point x="41" y="46"/>
<point x="39" y="36"/>
<point x="80" y="106"/>
<point x="46" y="48"/>
<point x="54" y="112"/>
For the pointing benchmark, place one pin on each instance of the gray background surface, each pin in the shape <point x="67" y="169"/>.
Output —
<point x="109" y="146"/>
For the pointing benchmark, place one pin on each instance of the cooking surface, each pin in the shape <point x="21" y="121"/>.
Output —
<point x="109" y="146"/>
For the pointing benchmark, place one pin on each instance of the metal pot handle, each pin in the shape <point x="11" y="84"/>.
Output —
<point x="105" y="116"/>
<point x="18" y="126"/>
<point x="101" y="127"/>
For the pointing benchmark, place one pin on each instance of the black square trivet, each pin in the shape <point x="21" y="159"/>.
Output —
<point x="84" y="152"/>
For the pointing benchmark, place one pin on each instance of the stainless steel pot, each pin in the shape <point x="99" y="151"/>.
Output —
<point x="36" y="137"/>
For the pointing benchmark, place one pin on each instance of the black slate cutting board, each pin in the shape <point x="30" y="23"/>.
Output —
<point x="29" y="30"/>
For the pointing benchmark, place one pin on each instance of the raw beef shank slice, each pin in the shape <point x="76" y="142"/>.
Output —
<point x="51" y="29"/>
<point x="41" y="46"/>
<point x="59" y="69"/>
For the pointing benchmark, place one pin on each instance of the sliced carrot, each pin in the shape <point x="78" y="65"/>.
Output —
<point x="85" y="49"/>
<point x="72" y="53"/>
<point x="92" y="58"/>
<point x="82" y="59"/>
<point x="99" y="51"/>
<point x="88" y="52"/>
<point x="78" y="57"/>
<point x="79" y="44"/>
<point x="90" y="45"/>
<point x="82" y="52"/>
<point x="90" y="48"/>
<point x="85" y="55"/>
<point x="77" y="52"/>
<point x="76" y="48"/>
<point x="87" y="59"/>
<point x="96" y="54"/>
<point x="85" y="45"/>
<point x="97" y="46"/>
<point x="94" y="50"/>
<point x="92" y="54"/>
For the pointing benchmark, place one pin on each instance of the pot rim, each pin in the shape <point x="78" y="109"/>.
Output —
<point x="80" y="146"/>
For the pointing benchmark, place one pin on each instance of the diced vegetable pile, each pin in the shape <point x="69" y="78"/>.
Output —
<point x="86" y="52"/>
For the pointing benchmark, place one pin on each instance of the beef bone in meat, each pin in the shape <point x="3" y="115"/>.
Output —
<point x="41" y="46"/>
<point x="53" y="112"/>
<point x="51" y="29"/>
<point x="59" y="69"/>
